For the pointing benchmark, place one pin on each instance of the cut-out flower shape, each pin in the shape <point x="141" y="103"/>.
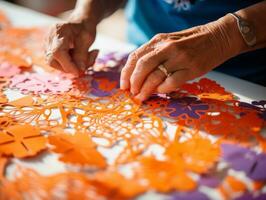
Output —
<point x="77" y="149"/>
<point x="105" y="83"/>
<point x="205" y="88"/>
<point x="41" y="83"/>
<point x="187" y="107"/>
<point x="21" y="141"/>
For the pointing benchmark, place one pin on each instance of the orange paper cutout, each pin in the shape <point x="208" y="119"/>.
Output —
<point x="21" y="141"/>
<point x="77" y="149"/>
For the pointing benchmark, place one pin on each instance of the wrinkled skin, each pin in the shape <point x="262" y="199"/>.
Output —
<point x="68" y="44"/>
<point x="186" y="55"/>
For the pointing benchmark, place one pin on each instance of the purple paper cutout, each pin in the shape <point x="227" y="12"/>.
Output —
<point x="113" y="77"/>
<point x="194" y="195"/>
<point x="209" y="181"/>
<point x="259" y="106"/>
<point x="243" y="159"/>
<point x="248" y="196"/>
<point x="190" y="106"/>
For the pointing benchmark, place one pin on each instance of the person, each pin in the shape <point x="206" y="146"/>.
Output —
<point x="179" y="40"/>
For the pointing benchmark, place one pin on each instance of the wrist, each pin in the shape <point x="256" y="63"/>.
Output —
<point x="226" y="33"/>
<point x="86" y="11"/>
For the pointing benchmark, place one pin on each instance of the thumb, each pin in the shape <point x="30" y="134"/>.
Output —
<point x="92" y="57"/>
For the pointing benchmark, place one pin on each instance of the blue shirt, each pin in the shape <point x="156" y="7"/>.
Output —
<point x="149" y="17"/>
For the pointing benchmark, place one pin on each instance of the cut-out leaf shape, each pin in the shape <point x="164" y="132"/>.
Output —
<point x="165" y="176"/>
<point x="198" y="154"/>
<point x="77" y="149"/>
<point x="21" y="141"/>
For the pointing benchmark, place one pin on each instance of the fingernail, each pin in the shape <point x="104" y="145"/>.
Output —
<point x="123" y="85"/>
<point x="82" y="66"/>
<point x="134" y="92"/>
<point x="139" y="98"/>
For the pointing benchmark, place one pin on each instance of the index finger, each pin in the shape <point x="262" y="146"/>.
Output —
<point x="63" y="57"/>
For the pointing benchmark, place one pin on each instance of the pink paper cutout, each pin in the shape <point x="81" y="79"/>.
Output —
<point x="8" y="70"/>
<point x="41" y="83"/>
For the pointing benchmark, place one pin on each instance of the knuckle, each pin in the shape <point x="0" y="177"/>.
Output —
<point x="170" y="46"/>
<point x="133" y="79"/>
<point x="141" y="63"/>
<point x="133" y="56"/>
<point x="124" y="71"/>
<point x="159" y="36"/>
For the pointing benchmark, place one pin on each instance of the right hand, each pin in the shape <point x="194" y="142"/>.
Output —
<point x="68" y="44"/>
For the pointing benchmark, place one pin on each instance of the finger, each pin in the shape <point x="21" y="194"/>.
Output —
<point x="145" y="65"/>
<point x="66" y="63"/>
<point x="150" y="85"/>
<point x="80" y="53"/>
<point x="131" y="63"/>
<point x="174" y="81"/>
<point x="56" y="65"/>
<point x="92" y="57"/>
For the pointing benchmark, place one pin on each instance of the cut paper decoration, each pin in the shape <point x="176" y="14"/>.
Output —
<point x="3" y="162"/>
<point x="186" y="145"/>
<point x="41" y="83"/>
<point x="243" y="159"/>
<point x="4" y="21"/>
<point x="105" y="83"/>
<point x="189" y="106"/>
<point x="189" y="196"/>
<point x="165" y="176"/>
<point x="231" y="187"/>
<point x="21" y="141"/>
<point x="198" y="154"/>
<point x="15" y="60"/>
<point x="8" y="70"/>
<point x="77" y="149"/>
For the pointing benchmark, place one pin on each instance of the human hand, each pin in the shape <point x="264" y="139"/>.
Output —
<point x="68" y="44"/>
<point x="184" y="55"/>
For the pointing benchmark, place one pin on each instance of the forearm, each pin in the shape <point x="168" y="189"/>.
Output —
<point x="234" y="42"/>
<point x="94" y="10"/>
<point x="256" y="15"/>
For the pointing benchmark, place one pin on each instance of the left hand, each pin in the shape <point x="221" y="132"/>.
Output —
<point x="185" y="55"/>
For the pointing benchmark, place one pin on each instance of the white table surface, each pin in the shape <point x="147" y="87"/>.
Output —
<point x="26" y="18"/>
